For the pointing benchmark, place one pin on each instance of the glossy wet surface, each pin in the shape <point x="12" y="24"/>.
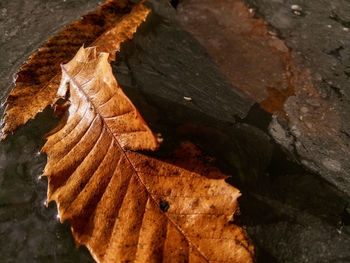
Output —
<point x="291" y="213"/>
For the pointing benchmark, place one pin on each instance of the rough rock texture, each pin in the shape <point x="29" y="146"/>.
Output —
<point x="292" y="214"/>
<point x="318" y="32"/>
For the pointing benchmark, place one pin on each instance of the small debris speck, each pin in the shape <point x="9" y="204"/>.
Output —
<point x="188" y="98"/>
<point x="298" y="13"/>
<point x="159" y="137"/>
<point x="346" y="29"/>
<point x="164" y="206"/>
<point x="296" y="7"/>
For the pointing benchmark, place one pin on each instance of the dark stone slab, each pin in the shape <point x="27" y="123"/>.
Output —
<point x="292" y="213"/>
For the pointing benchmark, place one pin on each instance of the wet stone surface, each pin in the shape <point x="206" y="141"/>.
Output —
<point x="291" y="212"/>
<point x="317" y="32"/>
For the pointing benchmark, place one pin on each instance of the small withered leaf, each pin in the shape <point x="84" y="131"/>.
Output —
<point x="38" y="80"/>
<point x="125" y="206"/>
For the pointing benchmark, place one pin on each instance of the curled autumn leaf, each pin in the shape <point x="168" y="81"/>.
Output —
<point x="38" y="80"/>
<point x="123" y="205"/>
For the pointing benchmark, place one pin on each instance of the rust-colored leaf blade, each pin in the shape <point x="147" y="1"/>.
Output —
<point x="38" y="80"/>
<point x="251" y="58"/>
<point x="123" y="205"/>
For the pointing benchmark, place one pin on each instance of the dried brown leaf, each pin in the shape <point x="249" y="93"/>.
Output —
<point x="125" y="206"/>
<point x="255" y="60"/>
<point x="38" y="80"/>
<point x="244" y="47"/>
